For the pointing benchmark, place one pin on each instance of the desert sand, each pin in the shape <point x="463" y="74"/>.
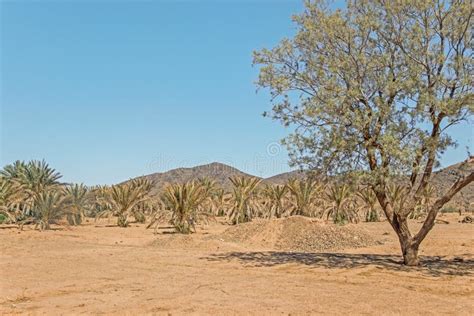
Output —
<point x="98" y="268"/>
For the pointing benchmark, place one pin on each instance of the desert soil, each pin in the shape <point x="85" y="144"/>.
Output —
<point x="98" y="268"/>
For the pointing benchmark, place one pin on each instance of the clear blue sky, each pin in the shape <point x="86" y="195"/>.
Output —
<point x="108" y="90"/>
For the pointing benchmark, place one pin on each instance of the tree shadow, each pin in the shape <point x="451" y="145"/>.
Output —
<point x="8" y="226"/>
<point x="430" y="265"/>
<point x="30" y="227"/>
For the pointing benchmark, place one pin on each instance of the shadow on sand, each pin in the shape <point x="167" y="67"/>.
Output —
<point x="31" y="228"/>
<point x="432" y="266"/>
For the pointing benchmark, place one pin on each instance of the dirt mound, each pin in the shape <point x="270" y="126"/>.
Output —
<point x="298" y="234"/>
<point x="188" y="242"/>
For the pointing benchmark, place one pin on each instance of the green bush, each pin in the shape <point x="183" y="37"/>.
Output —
<point x="449" y="209"/>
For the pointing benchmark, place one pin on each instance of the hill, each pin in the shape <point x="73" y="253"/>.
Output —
<point x="216" y="171"/>
<point x="444" y="178"/>
<point x="283" y="178"/>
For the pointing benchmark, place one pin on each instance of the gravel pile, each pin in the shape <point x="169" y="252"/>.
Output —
<point x="174" y="241"/>
<point x="299" y="234"/>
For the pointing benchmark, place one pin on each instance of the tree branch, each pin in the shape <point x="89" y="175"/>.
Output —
<point x="455" y="188"/>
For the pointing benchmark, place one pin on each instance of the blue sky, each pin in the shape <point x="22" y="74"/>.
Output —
<point x="108" y="90"/>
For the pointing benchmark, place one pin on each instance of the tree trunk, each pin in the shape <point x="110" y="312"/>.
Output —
<point x="399" y="223"/>
<point x="122" y="221"/>
<point x="408" y="244"/>
<point x="410" y="254"/>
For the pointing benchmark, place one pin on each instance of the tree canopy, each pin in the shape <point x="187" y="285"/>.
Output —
<point x="375" y="88"/>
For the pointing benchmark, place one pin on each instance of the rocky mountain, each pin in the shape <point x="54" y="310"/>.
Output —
<point x="216" y="171"/>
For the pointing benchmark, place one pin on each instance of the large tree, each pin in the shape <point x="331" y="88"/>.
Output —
<point x="375" y="87"/>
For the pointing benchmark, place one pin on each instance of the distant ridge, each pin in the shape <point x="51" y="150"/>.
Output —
<point x="283" y="178"/>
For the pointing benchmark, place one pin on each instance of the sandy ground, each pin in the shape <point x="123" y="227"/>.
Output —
<point x="96" y="268"/>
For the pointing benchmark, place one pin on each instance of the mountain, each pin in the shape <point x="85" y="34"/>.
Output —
<point x="215" y="171"/>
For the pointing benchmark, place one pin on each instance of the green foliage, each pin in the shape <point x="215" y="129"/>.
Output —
<point x="78" y="201"/>
<point x="220" y="202"/>
<point x="244" y="205"/>
<point x="49" y="208"/>
<point x="99" y="195"/>
<point x="34" y="177"/>
<point x="449" y="209"/>
<point x="124" y="200"/>
<point x="424" y="204"/>
<point x="185" y="203"/>
<point x="29" y="180"/>
<point x="11" y="198"/>
<point x="304" y="195"/>
<point x="371" y="77"/>
<point x="397" y="195"/>
<point x="342" y="207"/>
<point x="374" y="88"/>
<point x="215" y="201"/>
<point x="367" y="196"/>
<point x="274" y="199"/>
<point x="31" y="193"/>
<point x="209" y="186"/>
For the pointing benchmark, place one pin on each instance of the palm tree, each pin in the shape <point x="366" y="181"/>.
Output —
<point x="30" y="180"/>
<point x="124" y="200"/>
<point x="147" y="206"/>
<point x="37" y="177"/>
<point x="13" y="171"/>
<point x="220" y="202"/>
<point x="244" y="206"/>
<point x="274" y="196"/>
<point x="183" y="206"/>
<point x="208" y="185"/>
<point x="210" y="190"/>
<point x="368" y="197"/>
<point x="304" y="196"/>
<point x="11" y="198"/>
<point x="49" y="207"/>
<point x="341" y="204"/>
<point x="397" y="194"/>
<point x="78" y="202"/>
<point x="99" y="196"/>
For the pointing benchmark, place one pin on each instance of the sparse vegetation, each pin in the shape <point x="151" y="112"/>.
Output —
<point x="378" y="87"/>
<point x="370" y="96"/>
